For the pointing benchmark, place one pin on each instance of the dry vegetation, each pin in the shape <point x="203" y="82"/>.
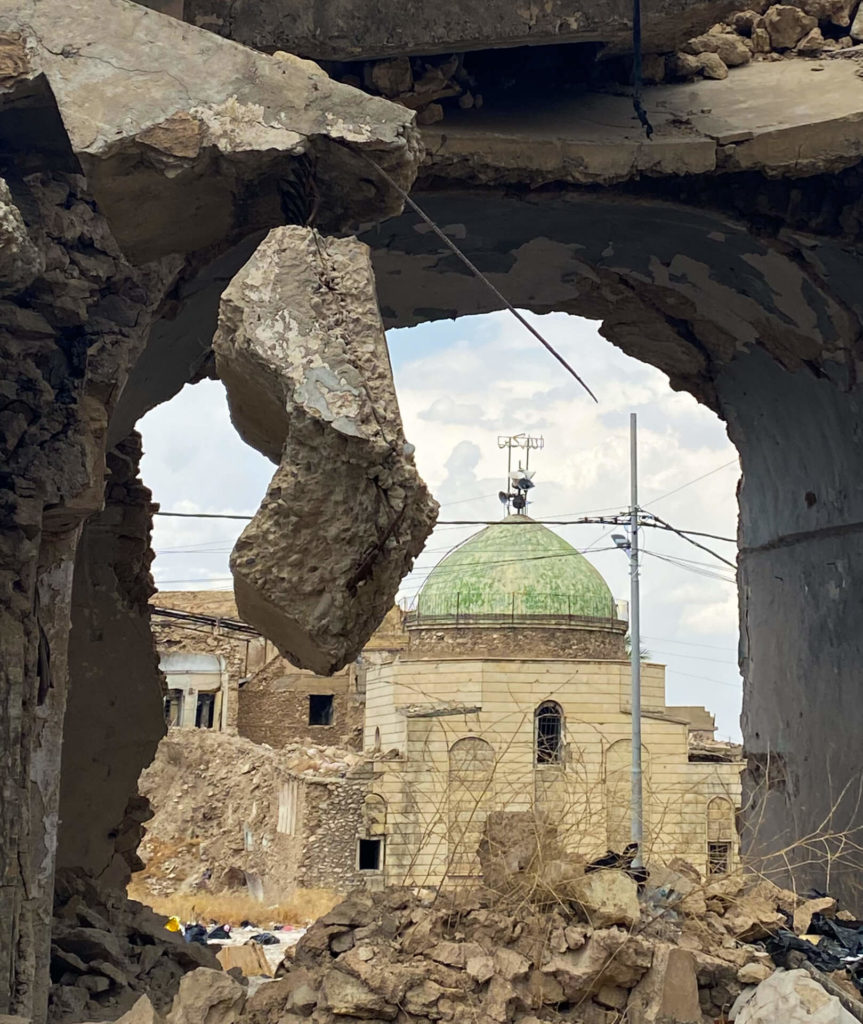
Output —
<point x="300" y="909"/>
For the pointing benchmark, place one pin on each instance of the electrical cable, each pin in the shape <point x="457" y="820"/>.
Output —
<point x="636" y="69"/>
<point x="689" y="540"/>
<point x="450" y="244"/>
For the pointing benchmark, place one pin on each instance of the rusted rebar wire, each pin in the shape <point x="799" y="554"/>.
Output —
<point x="637" y="77"/>
<point x="476" y="272"/>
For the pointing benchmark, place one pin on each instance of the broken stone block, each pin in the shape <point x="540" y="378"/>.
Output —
<point x="301" y="350"/>
<point x="826" y="905"/>
<point x="610" y="956"/>
<point x="511" y="965"/>
<point x="731" y="49"/>
<point x="786" y="26"/>
<point x="668" y="992"/>
<point x="811" y="44"/>
<point x="743" y="22"/>
<point x="671" y="888"/>
<point x="392" y="77"/>
<point x="207" y="997"/>
<point x="480" y="968"/>
<point x="711" y="65"/>
<point x="345" y="995"/>
<point x="682" y="65"/>
<point x="754" y="973"/>
<point x="607" y="898"/>
<point x="792" y="997"/>
<point x="499" y="999"/>
<point x="20" y="261"/>
<point x="761" y="40"/>
<point x="613" y="997"/>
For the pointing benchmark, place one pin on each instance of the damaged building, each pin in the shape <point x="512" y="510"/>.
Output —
<point x="158" y="180"/>
<point x="504" y="693"/>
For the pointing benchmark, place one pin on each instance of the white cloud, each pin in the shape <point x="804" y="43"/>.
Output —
<point x="460" y="385"/>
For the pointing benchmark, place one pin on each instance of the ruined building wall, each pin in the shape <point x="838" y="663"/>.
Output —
<point x="274" y="706"/>
<point x="108" y="202"/>
<point x="113" y="676"/>
<point x="332" y="823"/>
<point x="468" y="747"/>
<point x="55" y="410"/>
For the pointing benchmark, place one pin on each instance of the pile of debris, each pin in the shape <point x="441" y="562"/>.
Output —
<point x="216" y="800"/>
<point x="682" y="951"/>
<point x="106" y="951"/>
<point x="809" y="28"/>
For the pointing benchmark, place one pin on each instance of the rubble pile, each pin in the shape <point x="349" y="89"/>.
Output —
<point x="216" y="821"/>
<point x="685" y="953"/>
<point x="106" y="951"/>
<point x="807" y="28"/>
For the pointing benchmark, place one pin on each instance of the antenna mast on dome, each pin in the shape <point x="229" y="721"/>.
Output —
<point x="518" y="481"/>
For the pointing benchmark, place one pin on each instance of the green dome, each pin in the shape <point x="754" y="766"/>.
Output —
<point x="515" y="569"/>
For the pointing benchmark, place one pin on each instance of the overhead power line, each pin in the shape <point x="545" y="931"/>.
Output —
<point x="617" y="520"/>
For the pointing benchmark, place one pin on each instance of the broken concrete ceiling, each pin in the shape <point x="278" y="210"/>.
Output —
<point x="185" y="138"/>
<point x="349" y="29"/>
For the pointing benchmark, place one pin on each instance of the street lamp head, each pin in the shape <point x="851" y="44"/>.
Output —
<point x="621" y="541"/>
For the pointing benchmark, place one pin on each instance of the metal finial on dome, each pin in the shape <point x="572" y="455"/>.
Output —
<point x="520" y="481"/>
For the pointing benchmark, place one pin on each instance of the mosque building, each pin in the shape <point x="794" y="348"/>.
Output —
<point x="512" y="695"/>
<point x="504" y="691"/>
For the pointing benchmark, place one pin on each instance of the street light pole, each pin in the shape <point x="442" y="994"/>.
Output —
<point x="637" y="799"/>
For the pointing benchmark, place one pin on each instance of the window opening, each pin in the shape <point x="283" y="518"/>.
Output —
<point x="320" y="709"/>
<point x="174" y="707"/>
<point x="549" y="733"/>
<point x="205" y="710"/>
<point x="371" y="854"/>
<point x="718" y="858"/>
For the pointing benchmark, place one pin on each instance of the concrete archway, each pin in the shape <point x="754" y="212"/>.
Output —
<point x="764" y="327"/>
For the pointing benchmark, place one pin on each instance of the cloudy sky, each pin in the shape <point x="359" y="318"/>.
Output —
<point x="461" y="384"/>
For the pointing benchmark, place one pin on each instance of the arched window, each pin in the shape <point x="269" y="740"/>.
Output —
<point x="549" y="733"/>
<point x="470" y="797"/>
<point x="720" y="836"/>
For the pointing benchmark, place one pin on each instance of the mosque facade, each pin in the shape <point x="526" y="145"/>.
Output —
<point x="511" y="696"/>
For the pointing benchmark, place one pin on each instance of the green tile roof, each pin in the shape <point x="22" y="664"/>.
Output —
<point x="516" y="567"/>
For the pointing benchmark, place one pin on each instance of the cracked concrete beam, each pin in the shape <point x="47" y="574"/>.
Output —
<point x="188" y="139"/>
<point x="301" y="350"/>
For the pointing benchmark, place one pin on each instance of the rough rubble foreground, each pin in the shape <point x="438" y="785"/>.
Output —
<point x="143" y="161"/>
<point x="301" y="349"/>
<point x="473" y="955"/>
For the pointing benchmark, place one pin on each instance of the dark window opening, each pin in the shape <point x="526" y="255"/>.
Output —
<point x="549" y="733"/>
<point x="205" y="710"/>
<point x="718" y="858"/>
<point x="371" y="854"/>
<point x="174" y="707"/>
<point x="320" y="709"/>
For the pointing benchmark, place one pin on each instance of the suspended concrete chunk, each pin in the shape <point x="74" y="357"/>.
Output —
<point x="301" y="350"/>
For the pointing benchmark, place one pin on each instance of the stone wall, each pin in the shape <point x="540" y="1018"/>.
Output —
<point x="332" y="823"/>
<point x="274" y="706"/>
<point x="526" y="641"/>
<point x="113" y="677"/>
